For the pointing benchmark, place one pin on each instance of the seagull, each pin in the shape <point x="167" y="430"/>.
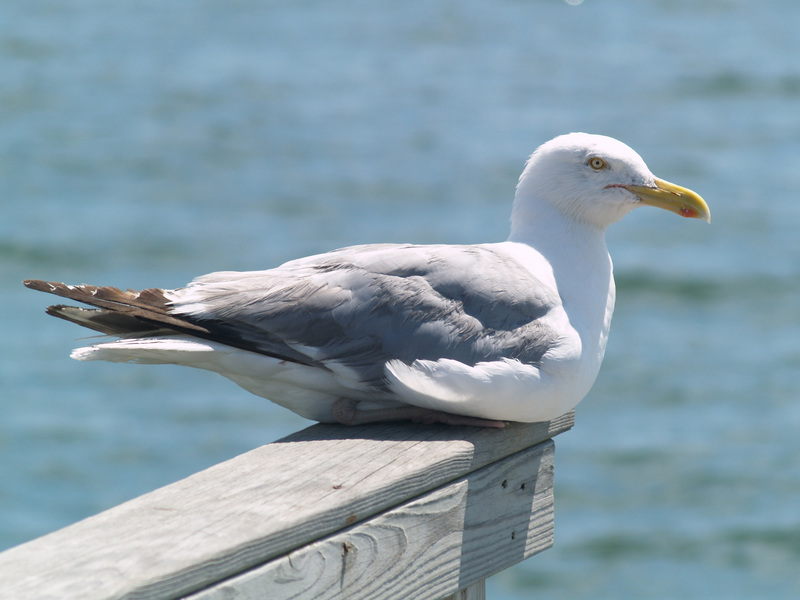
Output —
<point x="456" y="334"/>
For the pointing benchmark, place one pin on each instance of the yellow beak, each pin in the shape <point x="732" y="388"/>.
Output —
<point x="675" y="198"/>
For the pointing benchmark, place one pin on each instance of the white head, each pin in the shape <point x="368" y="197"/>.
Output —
<point x="595" y="180"/>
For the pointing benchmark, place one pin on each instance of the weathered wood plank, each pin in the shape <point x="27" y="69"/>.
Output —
<point x="434" y="545"/>
<point x="477" y="591"/>
<point x="253" y="508"/>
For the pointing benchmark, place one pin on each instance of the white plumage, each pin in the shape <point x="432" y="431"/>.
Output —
<point x="509" y="331"/>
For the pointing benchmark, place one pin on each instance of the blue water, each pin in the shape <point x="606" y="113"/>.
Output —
<point x="144" y="143"/>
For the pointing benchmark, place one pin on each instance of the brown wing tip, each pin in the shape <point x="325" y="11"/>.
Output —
<point x="56" y="309"/>
<point x="39" y="285"/>
<point x="59" y="310"/>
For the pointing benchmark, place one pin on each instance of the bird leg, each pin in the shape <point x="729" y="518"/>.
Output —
<point x="346" y="412"/>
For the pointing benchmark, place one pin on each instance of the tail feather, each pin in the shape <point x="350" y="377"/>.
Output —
<point x="152" y="299"/>
<point x="147" y="314"/>
<point x="117" y="308"/>
<point x="175" y="350"/>
<point x="106" y="321"/>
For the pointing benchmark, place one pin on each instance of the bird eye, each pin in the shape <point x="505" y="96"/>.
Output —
<point x="597" y="163"/>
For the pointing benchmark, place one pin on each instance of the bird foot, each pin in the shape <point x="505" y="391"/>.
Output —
<point x="346" y="412"/>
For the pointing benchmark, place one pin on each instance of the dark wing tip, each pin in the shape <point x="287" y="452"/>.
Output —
<point x="39" y="285"/>
<point x="57" y="310"/>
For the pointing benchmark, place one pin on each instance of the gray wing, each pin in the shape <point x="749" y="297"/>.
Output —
<point x="366" y="305"/>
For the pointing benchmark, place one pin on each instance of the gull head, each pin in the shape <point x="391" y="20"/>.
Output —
<point x="597" y="180"/>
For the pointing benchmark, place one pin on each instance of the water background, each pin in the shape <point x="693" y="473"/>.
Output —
<point x="144" y="143"/>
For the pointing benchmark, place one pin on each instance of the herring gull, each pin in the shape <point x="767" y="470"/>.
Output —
<point x="459" y="334"/>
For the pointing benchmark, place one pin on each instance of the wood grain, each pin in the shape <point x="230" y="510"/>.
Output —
<point x="477" y="591"/>
<point x="256" y="507"/>
<point x="434" y="545"/>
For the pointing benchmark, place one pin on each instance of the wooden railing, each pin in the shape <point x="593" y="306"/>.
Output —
<point x="370" y="512"/>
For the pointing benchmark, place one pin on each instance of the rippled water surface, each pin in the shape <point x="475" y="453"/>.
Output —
<point x="144" y="143"/>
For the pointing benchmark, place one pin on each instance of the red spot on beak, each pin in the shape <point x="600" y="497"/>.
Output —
<point x="688" y="212"/>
